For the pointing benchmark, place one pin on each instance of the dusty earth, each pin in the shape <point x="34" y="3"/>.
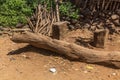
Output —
<point x="29" y="63"/>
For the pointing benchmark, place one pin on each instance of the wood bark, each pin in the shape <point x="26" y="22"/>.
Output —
<point x="59" y="30"/>
<point x="100" y="38"/>
<point x="70" y="50"/>
<point x="57" y="10"/>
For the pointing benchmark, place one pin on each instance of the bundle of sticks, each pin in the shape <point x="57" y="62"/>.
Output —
<point x="42" y="20"/>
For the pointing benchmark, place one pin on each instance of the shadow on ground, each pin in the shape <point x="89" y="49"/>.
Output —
<point x="30" y="48"/>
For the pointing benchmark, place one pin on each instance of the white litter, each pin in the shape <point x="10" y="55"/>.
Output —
<point x="114" y="74"/>
<point x="53" y="70"/>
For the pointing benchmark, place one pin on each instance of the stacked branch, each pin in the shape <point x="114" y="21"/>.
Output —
<point x="42" y="20"/>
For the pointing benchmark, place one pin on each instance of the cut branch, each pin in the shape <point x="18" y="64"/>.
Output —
<point x="42" y="20"/>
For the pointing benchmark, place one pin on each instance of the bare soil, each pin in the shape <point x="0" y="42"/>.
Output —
<point x="29" y="63"/>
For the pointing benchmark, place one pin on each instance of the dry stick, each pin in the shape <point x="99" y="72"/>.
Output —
<point x="51" y="23"/>
<point x="53" y="20"/>
<point x="34" y="15"/>
<point x="57" y="10"/>
<point x="117" y="7"/>
<point x="50" y="28"/>
<point x="92" y="5"/>
<point x="85" y="4"/>
<point x="42" y="27"/>
<point x="38" y="18"/>
<point x="98" y="4"/>
<point x="44" y="21"/>
<point x="45" y="14"/>
<point x="41" y="22"/>
<point x="20" y="30"/>
<point x="107" y="5"/>
<point x="14" y="30"/>
<point x="114" y="6"/>
<point x="44" y="30"/>
<point x="48" y="19"/>
<point x="47" y="28"/>
<point x="111" y="5"/>
<point x="30" y="24"/>
<point x="103" y="4"/>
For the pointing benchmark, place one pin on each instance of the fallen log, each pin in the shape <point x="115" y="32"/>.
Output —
<point x="70" y="50"/>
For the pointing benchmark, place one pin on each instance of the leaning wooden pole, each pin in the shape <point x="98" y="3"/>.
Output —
<point x="70" y="50"/>
<point x="57" y="10"/>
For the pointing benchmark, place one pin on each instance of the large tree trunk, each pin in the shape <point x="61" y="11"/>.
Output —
<point x="71" y="50"/>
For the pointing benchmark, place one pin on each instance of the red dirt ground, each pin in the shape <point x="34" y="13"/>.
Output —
<point x="34" y="64"/>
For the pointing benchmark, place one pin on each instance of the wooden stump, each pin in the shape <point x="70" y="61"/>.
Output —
<point x="59" y="29"/>
<point x="100" y="38"/>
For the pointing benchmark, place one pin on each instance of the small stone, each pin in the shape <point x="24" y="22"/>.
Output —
<point x="114" y="74"/>
<point x="116" y="22"/>
<point x="19" y="25"/>
<point x="74" y="21"/>
<point x="77" y="25"/>
<point x="11" y="58"/>
<point x="87" y="25"/>
<point x="93" y="28"/>
<point x="100" y="26"/>
<point x="71" y="27"/>
<point x="108" y="21"/>
<point x="25" y="56"/>
<point x="13" y="43"/>
<point x="85" y="71"/>
<point x="76" y="69"/>
<point x="53" y="70"/>
<point x="114" y="16"/>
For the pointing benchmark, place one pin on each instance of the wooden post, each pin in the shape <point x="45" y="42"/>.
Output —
<point x="59" y="29"/>
<point x="100" y="38"/>
<point x="57" y="10"/>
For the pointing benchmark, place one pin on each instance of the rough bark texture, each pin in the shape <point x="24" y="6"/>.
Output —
<point x="100" y="38"/>
<point x="59" y="29"/>
<point x="70" y="50"/>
